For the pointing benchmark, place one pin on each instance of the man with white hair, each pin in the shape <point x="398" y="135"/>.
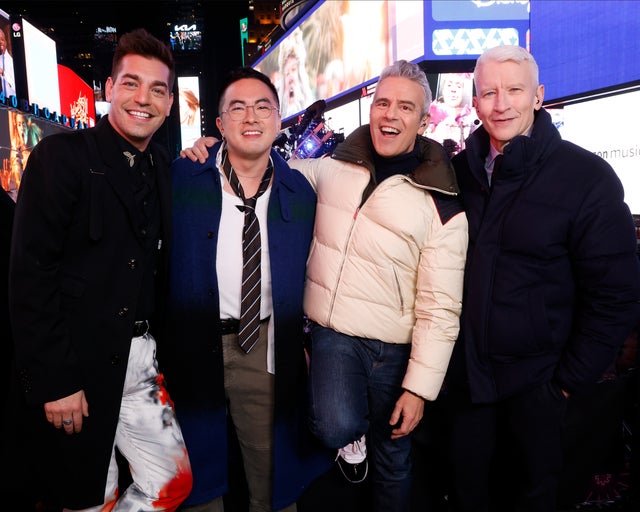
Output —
<point x="552" y="288"/>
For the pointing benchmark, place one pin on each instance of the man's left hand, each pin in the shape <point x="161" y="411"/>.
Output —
<point x="406" y="414"/>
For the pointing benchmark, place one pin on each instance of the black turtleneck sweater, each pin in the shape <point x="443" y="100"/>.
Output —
<point x="400" y="164"/>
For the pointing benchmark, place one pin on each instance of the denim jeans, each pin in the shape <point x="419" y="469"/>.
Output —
<point x="354" y="385"/>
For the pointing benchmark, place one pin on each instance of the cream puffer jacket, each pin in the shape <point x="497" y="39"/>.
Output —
<point x="387" y="262"/>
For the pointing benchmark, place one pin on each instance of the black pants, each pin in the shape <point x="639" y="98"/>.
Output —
<point x="507" y="455"/>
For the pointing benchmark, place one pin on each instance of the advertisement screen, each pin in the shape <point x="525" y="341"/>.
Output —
<point x="463" y="29"/>
<point x="76" y="98"/>
<point x="185" y="38"/>
<point x="339" y="46"/>
<point x="452" y="115"/>
<point x="617" y="144"/>
<point x="42" y="68"/>
<point x="189" y="107"/>
<point x="19" y="133"/>
<point x="585" y="46"/>
<point x="7" y="77"/>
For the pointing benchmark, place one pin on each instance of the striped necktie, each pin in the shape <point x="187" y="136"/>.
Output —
<point x="249" y="329"/>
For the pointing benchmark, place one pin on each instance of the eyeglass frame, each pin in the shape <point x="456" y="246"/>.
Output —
<point x="237" y="107"/>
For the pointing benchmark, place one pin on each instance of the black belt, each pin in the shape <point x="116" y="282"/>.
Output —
<point x="232" y="326"/>
<point x="140" y="328"/>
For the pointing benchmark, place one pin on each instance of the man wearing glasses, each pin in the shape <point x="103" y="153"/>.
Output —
<point x="244" y="205"/>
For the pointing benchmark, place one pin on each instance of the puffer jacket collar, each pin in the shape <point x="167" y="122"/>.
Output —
<point x="523" y="155"/>
<point x="434" y="172"/>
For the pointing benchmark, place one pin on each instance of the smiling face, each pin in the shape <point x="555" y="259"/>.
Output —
<point x="140" y="98"/>
<point x="395" y="115"/>
<point x="507" y="97"/>
<point x="250" y="136"/>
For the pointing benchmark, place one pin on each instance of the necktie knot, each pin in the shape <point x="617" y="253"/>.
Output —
<point x="249" y="328"/>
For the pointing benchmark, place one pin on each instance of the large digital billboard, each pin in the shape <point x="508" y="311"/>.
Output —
<point x="340" y="46"/>
<point x="185" y="37"/>
<point x="189" y="110"/>
<point x="462" y="29"/>
<point x="582" y="47"/>
<point x="617" y="144"/>
<point x="19" y="133"/>
<point x="76" y="98"/>
<point x="7" y="74"/>
<point x="41" y="62"/>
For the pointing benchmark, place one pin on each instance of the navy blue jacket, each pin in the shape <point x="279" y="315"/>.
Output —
<point x="193" y="350"/>
<point x="552" y="280"/>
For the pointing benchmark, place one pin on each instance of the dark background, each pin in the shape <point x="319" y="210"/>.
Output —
<point x="72" y="25"/>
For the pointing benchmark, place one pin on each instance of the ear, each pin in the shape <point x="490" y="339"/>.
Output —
<point x="108" y="86"/>
<point x="170" y="104"/>
<point x="539" y="97"/>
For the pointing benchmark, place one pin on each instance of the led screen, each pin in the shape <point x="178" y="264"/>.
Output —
<point x="76" y="98"/>
<point x="7" y="77"/>
<point x="189" y="109"/>
<point x="582" y="47"/>
<point x="618" y="144"/>
<point x="340" y="46"/>
<point x="185" y="38"/>
<point x="42" y="68"/>
<point x="459" y="29"/>
<point x="19" y="133"/>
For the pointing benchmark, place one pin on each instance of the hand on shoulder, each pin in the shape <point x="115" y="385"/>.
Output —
<point x="199" y="152"/>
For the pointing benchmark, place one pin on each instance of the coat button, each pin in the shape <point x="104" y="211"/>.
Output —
<point x="115" y="360"/>
<point x="123" y="312"/>
<point x="133" y="263"/>
<point x="210" y="234"/>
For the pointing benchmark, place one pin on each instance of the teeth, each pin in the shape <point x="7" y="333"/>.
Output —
<point x="144" y="115"/>
<point x="389" y="130"/>
<point x="252" y="132"/>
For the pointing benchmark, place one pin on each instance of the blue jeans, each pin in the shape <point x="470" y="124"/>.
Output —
<point x="354" y="385"/>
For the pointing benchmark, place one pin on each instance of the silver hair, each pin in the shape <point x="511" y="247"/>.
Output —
<point x="509" y="53"/>
<point x="406" y="69"/>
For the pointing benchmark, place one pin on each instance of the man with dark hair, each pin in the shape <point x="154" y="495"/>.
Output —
<point x="90" y="243"/>
<point x="242" y="205"/>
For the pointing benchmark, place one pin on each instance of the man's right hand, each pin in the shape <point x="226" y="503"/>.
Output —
<point x="198" y="152"/>
<point x="68" y="412"/>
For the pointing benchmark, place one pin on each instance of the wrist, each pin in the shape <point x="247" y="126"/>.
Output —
<point x="414" y="394"/>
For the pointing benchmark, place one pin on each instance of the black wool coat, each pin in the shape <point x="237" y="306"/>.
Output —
<point x="76" y="272"/>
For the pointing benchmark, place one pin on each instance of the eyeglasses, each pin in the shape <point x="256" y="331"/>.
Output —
<point x="262" y="110"/>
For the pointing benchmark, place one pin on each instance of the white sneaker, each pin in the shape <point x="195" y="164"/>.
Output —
<point x="352" y="461"/>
